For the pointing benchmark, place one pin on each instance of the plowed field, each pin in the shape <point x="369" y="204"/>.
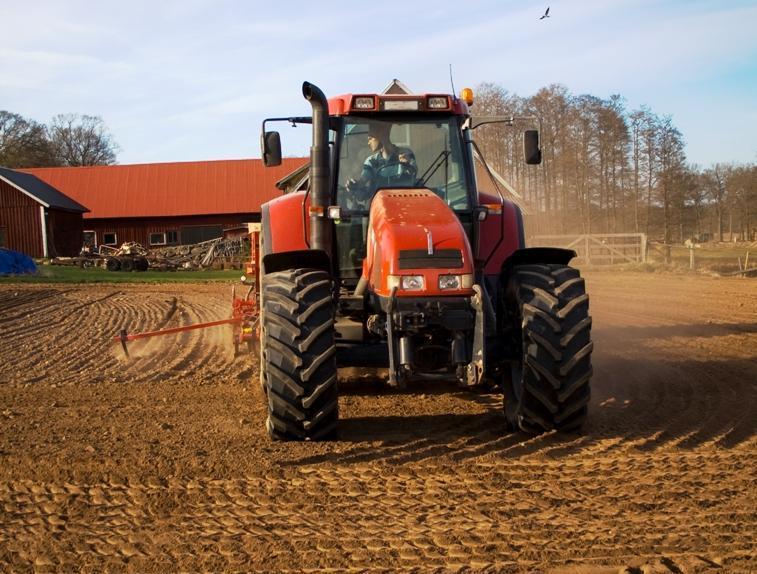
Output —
<point x="162" y="463"/>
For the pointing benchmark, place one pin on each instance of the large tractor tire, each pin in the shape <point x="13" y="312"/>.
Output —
<point x="549" y="387"/>
<point x="298" y="355"/>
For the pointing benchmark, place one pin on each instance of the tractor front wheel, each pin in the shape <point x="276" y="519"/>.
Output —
<point x="549" y="387"/>
<point x="298" y="355"/>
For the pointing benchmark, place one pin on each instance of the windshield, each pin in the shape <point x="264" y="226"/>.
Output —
<point x="397" y="152"/>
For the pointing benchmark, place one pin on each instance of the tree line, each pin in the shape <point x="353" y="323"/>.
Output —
<point x="68" y="140"/>
<point x="607" y="169"/>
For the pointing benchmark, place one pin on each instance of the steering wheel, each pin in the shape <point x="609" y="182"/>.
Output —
<point x="397" y="172"/>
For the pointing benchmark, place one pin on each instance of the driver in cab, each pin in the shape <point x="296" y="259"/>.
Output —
<point x="387" y="166"/>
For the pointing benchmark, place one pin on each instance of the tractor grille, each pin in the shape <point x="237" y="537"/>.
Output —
<point x="440" y="259"/>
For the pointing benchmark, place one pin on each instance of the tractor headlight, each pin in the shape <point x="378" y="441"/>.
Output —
<point x="406" y="282"/>
<point x="449" y="282"/>
<point x="411" y="283"/>
<point x="455" y="281"/>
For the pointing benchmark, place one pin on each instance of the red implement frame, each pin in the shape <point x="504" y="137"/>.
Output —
<point x="244" y="310"/>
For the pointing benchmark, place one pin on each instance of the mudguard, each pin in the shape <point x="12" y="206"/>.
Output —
<point x="536" y="255"/>
<point x="284" y="237"/>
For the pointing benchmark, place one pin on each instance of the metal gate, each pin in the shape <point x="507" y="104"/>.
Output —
<point x="599" y="249"/>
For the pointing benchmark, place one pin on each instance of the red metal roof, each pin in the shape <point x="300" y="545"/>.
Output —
<point x="169" y="189"/>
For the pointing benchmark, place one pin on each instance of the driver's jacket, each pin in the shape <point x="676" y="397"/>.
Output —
<point x="375" y="162"/>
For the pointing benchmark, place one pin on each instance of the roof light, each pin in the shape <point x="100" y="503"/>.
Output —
<point x="363" y="103"/>
<point x="401" y="105"/>
<point x="438" y="102"/>
<point x="467" y="96"/>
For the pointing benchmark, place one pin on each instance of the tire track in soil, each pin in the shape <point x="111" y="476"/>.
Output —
<point x="422" y="515"/>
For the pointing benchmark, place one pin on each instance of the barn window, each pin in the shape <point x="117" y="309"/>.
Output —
<point x="172" y="237"/>
<point x="157" y="239"/>
<point x="110" y="238"/>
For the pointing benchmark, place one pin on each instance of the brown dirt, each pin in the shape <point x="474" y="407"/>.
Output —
<point x="162" y="463"/>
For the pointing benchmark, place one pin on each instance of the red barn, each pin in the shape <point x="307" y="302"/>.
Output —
<point x="36" y="218"/>
<point x="168" y="203"/>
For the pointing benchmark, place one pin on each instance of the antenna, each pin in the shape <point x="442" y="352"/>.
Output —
<point x="451" y="81"/>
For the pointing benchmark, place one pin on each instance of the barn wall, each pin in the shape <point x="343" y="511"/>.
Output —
<point x="20" y="218"/>
<point x="139" y="229"/>
<point x="64" y="233"/>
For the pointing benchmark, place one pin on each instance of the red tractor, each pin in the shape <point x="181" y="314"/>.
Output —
<point x="393" y="247"/>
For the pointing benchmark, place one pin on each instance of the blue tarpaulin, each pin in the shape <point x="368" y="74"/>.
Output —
<point x="14" y="263"/>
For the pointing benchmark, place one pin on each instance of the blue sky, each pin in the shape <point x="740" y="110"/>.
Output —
<point x="193" y="79"/>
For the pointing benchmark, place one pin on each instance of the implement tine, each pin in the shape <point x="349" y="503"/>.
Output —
<point x="124" y="337"/>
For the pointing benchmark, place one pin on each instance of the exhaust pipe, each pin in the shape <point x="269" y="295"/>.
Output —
<point x="320" y="196"/>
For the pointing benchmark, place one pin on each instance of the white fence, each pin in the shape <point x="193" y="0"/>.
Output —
<point x="599" y="249"/>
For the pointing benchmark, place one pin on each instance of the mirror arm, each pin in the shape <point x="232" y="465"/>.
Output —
<point x="473" y="122"/>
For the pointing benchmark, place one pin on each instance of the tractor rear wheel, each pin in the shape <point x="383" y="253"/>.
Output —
<point x="549" y="386"/>
<point x="298" y="355"/>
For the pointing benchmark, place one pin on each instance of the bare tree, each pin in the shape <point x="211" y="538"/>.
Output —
<point x="23" y="142"/>
<point x="80" y="140"/>
<point x="671" y="160"/>
<point x="741" y="196"/>
<point x="715" y="187"/>
<point x="607" y="169"/>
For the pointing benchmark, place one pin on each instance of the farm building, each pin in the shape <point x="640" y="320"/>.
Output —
<point x="168" y="203"/>
<point x="36" y="218"/>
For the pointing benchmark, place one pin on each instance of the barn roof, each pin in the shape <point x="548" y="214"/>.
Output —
<point x="40" y="191"/>
<point x="170" y="189"/>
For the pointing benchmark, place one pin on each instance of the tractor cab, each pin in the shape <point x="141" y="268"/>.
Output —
<point x="384" y="142"/>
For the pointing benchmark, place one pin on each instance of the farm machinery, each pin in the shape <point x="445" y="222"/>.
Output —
<point x="393" y="245"/>
<point x="129" y="257"/>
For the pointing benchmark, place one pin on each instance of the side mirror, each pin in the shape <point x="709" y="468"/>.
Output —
<point x="270" y="144"/>
<point x="531" y="149"/>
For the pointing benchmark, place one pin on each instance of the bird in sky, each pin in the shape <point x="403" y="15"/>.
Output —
<point x="546" y="14"/>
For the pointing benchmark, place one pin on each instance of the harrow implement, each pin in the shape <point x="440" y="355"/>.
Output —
<point x="244" y="310"/>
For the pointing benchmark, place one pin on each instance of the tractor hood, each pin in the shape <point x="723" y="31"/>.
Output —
<point x="414" y="234"/>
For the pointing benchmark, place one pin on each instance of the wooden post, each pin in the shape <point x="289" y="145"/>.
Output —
<point x="691" y="257"/>
<point x="746" y="261"/>
<point x="588" y="252"/>
<point x="643" y="247"/>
